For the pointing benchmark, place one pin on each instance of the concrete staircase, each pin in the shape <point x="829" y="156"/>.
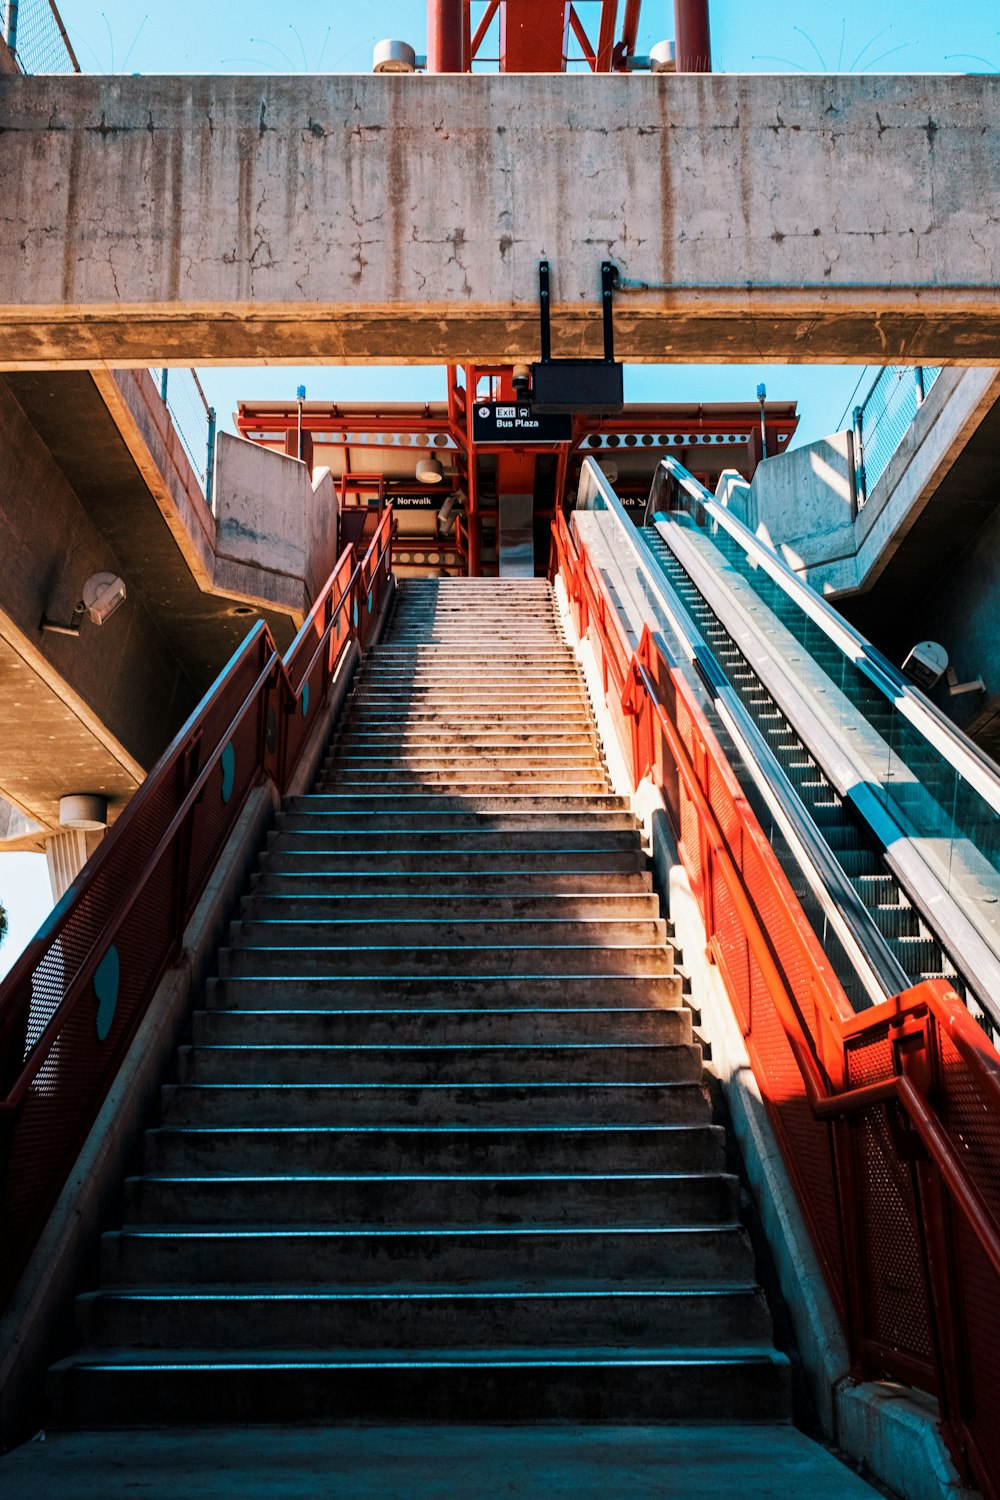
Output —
<point x="439" y="1147"/>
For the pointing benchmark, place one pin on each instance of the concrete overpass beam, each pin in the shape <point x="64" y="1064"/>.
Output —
<point x="389" y="219"/>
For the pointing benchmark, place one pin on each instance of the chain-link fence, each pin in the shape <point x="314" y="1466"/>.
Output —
<point x="34" y="31"/>
<point x="884" y="417"/>
<point x="193" y="419"/>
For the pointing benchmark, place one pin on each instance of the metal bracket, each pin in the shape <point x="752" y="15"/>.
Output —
<point x="577" y="385"/>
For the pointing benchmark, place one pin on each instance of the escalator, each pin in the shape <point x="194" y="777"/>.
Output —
<point x="883" y="816"/>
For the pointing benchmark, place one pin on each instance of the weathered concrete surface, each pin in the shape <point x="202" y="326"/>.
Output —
<point x="272" y="518"/>
<point x="402" y="218"/>
<point x="803" y="498"/>
<point x="922" y="558"/>
<point x="433" y="1463"/>
<point x="803" y="502"/>
<point x="203" y="578"/>
<point x="78" y="715"/>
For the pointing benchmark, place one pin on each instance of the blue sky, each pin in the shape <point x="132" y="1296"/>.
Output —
<point x="189" y="36"/>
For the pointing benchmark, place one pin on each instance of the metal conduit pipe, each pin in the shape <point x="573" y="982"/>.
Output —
<point x="692" y="37"/>
<point x="445" y="36"/>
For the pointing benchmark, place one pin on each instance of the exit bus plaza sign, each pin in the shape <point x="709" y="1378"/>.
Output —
<point x="500" y="422"/>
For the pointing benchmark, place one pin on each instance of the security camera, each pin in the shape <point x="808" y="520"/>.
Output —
<point x="522" y="381"/>
<point x="102" y="595"/>
<point x="926" y="664"/>
<point x="447" y="514"/>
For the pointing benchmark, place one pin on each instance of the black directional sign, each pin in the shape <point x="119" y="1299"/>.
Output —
<point x="510" y="422"/>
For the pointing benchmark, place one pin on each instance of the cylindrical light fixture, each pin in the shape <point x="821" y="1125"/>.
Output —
<point x="429" y="471"/>
<point x="663" y="58"/>
<point x="391" y="56"/>
<point x="86" y="810"/>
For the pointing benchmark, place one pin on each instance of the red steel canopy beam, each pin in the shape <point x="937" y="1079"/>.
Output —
<point x="533" y="36"/>
<point x="446" y="36"/>
<point x="692" y="38"/>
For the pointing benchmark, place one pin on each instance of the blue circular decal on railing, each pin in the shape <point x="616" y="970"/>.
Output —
<point x="357" y="617"/>
<point x="305" y="699"/>
<point x="106" y="977"/>
<point x="227" y="761"/>
<point x="371" y="595"/>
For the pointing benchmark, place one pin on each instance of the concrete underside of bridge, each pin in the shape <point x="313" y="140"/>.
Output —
<point x="83" y="490"/>
<point x="361" y="218"/>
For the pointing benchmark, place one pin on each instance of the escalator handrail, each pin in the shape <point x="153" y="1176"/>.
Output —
<point x="961" y="752"/>
<point x="878" y="971"/>
<point x="969" y="947"/>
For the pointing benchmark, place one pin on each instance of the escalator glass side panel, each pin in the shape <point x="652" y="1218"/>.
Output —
<point x="925" y="793"/>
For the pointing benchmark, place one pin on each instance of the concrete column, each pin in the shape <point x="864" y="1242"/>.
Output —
<point x="66" y="854"/>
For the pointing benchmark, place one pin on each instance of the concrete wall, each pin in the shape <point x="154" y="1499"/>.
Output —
<point x="271" y="536"/>
<point x="802" y="501"/>
<point x="402" y="218"/>
<point x="115" y="690"/>
<point x="272" y="517"/>
<point x="839" y="558"/>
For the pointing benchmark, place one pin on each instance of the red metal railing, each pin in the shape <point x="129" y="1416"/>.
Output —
<point x="71" y="1004"/>
<point x="888" y="1121"/>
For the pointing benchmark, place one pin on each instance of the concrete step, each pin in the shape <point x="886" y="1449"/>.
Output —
<point x="376" y="799"/>
<point x="483" y="961"/>
<point x="468" y="738"/>
<point x="447" y="990"/>
<point x="476" y="699"/>
<point x="282" y="1316"/>
<point x="432" y="859"/>
<point x="522" y="1026"/>
<point x="449" y="905"/>
<point x="498" y="1103"/>
<point x="484" y="839"/>
<point x="583" y="1255"/>
<point x="119" y="1387"/>
<point x="461" y="783"/>
<point x="450" y="1198"/>
<point x="486" y="763"/>
<point x="392" y="931"/>
<point x="378" y="1149"/>
<point x="419" y="1063"/>
<point x="457" y="818"/>
<point x="387" y="884"/>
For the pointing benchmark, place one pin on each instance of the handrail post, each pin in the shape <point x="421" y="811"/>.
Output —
<point x="860" y="481"/>
<point x="210" y="459"/>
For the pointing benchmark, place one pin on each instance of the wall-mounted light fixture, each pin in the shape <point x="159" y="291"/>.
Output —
<point x="103" y="593"/>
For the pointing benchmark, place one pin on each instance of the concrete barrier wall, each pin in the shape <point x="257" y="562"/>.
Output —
<point x="272" y="517"/>
<point x="390" y="218"/>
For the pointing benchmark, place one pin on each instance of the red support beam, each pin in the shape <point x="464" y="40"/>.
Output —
<point x="446" y="36"/>
<point x="630" y="26"/>
<point x="481" y="30"/>
<point x="579" y="31"/>
<point x="606" y="37"/>
<point x="692" y="37"/>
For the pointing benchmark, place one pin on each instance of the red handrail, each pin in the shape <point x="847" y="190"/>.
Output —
<point x="65" y="1026"/>
<point x="889" y="1120"/>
